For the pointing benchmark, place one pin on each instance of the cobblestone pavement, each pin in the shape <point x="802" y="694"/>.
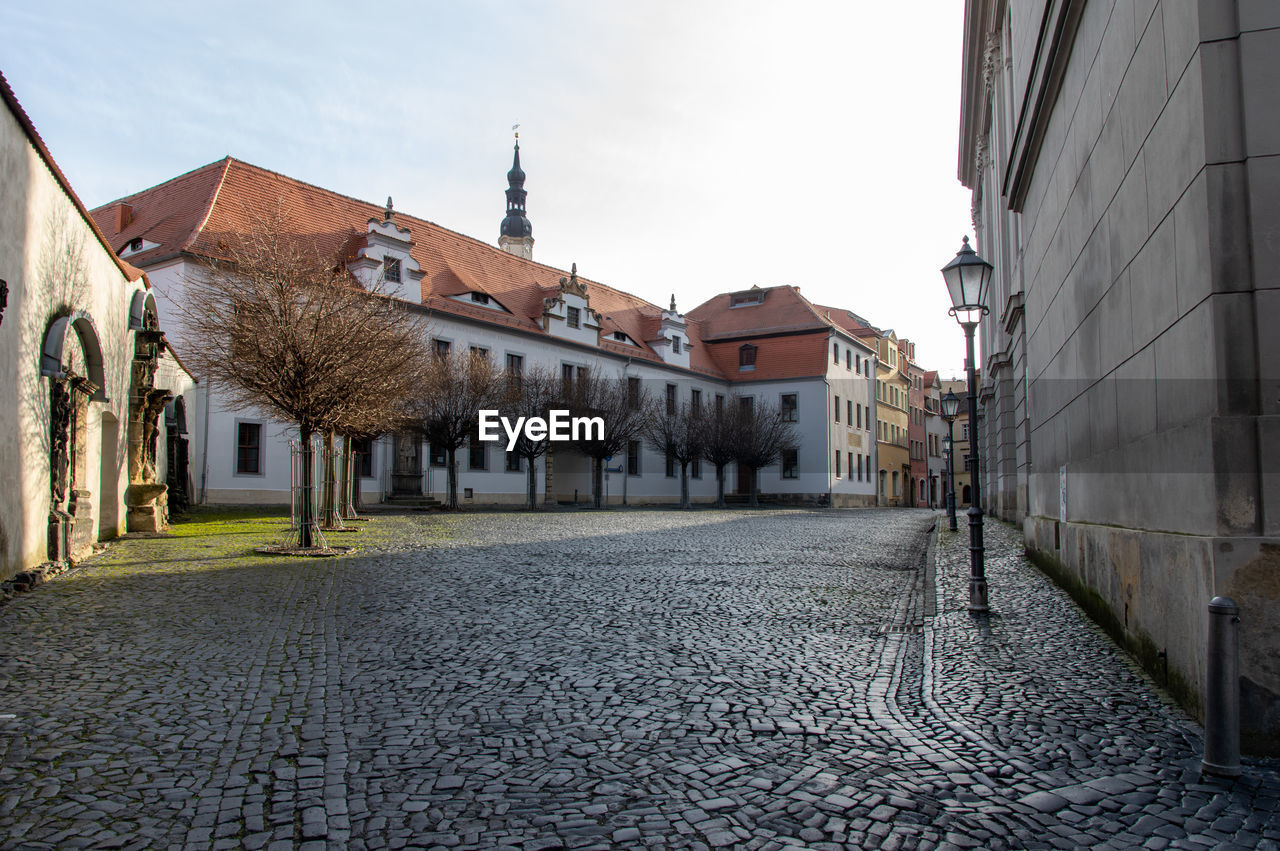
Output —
<point x="764" y="679"/>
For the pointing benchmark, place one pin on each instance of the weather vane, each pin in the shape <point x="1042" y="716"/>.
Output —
<point x="515" y="128"/>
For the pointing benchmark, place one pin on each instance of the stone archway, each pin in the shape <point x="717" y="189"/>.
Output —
<point x="71" y="358"/>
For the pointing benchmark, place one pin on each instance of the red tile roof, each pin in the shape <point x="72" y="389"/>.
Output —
<point x="130" y="272"/>
<point x="192" y="212"/>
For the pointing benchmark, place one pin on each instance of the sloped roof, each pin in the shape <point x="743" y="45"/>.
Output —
<point x="192" y="212"/>
<point x="783" y="310"/>
<point x="130" y="271"/>
<point x="791" y="356"/>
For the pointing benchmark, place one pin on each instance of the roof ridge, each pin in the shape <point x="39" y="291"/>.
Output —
<point x="208" y="210"/>
<point x="175" y="179"/>
<point x="428" y="222"/>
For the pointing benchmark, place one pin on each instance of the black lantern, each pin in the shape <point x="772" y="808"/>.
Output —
<point x="967" y="277"/>
<point x="950" y="405"/>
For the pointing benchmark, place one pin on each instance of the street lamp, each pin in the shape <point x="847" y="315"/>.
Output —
<point x="967" y="277"/>
<point x="951" y="410"/>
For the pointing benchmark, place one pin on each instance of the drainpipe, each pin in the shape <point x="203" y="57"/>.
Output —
<point x="204" y="448"/>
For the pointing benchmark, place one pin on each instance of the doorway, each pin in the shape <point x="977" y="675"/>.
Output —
<point x="406" y="469"/>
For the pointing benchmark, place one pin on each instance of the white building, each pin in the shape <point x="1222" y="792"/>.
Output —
<point x="85" y="370"/>
<point x="522" y="313"/>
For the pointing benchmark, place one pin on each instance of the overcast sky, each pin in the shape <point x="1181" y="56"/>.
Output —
<point x="691" y="147"/>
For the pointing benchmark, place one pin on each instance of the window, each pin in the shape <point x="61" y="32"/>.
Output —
<point x="514" y="462"/>
<point x="791" y="464"/>
<point x="746" y="357"/>
<point x="436" y="456"/>
<point x="859" y="466"/>
<point x="573" y="317"/>
<point x="515" y="365"/>
<point x="695" y="468"/>
<point x="964" y="431"/>
<point x="857" y="363"/>
<point x="569" y="372"/>
<point x="633" y="392"/>
<point x="477" y="458"/>
<point x="363" y="451"/>
<point x="675" y="345"/>
<point x="619" y="336"/>
<point x="671" y="399"/>
<point x="249" y="449"/>
<point x="479" y="352"/>
<point x="671" y="464"/>
<point x="747" y="404"/>
<point x="480" y="298"/>
<point x="835" y="353"/>
<point x="850" y="467"/>
<point x="859" y="410"/>
<point x="695" y="400"/>
<point x="633" y="457"/>
<point x="836" y="409"/>
<point x="897" y="487"/>
<point x="848" y="359"/>
<point x="391" y="269"/>
<point x="837" y="463"/>
<point x="789" y="407"/>
<point x="719" y="404"/>
<point x="441" y="348"/>
<point x="745" y="298"/>
<point x="848" y="412"/>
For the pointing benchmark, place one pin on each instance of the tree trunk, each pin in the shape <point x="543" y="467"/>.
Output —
<point x="755" y="502"/>
<point x="684" y="484"/>
<point x="350" y="492"/>
<point x="330" y="515"/>
<point x="548" y="476"/>
<point x="532" y="501"/>
<point x="451" y="496"/>
<point x="597" y="482"/>
<point x="720" y="485"/>
<point x="308" y="532"/>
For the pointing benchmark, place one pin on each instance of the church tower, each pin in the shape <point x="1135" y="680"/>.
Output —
<point x="516" y="235"/>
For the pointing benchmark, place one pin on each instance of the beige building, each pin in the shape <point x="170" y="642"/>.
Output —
<point x="1124" y="159"/>
<point x="893" y="484"/>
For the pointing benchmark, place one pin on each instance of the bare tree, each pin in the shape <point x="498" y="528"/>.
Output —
<point x="678" y="434"/>
<point x="279" y="325"/>
<point x="531" y="393"/>
<point x="456" y="388"/>
<point x="622" y="412"/>
<point x="720" y="437"/>
<point x="763" y="435"/>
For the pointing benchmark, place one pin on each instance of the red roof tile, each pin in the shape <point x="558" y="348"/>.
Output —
<point x="192" y="212"/>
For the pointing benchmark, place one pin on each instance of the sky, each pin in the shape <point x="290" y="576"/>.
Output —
<point x="685" y="148"/>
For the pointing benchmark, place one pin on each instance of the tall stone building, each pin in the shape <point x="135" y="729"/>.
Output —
<point x="1124" y="157"/>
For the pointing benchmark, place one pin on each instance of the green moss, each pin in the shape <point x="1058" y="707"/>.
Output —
<point x="1136" y="642"/>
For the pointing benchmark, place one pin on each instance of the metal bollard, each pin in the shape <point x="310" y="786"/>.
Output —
<point x="1222" y="691"/>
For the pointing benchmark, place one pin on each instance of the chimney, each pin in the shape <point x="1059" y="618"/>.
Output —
<point x="124" y="215"/>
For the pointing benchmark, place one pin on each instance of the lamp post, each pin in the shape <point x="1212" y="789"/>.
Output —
<point x="967" y="277"/>
<point x="951" y="410"/>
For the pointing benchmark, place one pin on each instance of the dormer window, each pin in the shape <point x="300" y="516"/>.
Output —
<point x="480" y="298"/>
<point x="573" y="317"/>
<point x="743" y="299"/>
<point x="391" y="270"/>
<point x="675" y="345"/>
<point x="619" y="336"/>
<point x="135" y="244"/>
<point x="746" y="357"/>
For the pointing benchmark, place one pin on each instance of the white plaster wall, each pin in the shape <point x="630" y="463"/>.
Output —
<point x="51" y="258"/>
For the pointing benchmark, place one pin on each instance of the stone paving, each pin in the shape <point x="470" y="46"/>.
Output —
<point x="748" y="679"/>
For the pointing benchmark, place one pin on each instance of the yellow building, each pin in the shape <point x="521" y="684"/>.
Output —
<point x="961" y="431"/>
<point x="893" y="448"/>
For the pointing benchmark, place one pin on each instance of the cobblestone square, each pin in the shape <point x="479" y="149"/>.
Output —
<point x="752" y="679"/>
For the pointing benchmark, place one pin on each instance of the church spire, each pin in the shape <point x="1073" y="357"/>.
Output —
<point x="516" y="233"/>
